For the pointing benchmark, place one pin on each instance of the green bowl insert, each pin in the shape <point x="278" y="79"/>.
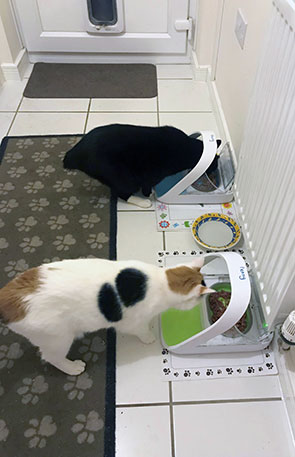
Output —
<point x="178" y="326"/>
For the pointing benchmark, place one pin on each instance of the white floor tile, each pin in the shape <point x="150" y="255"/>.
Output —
<point x="97" y="119"/>
<point x="138" y="371"/>
<point x="54" y="104"/>
<point x="227" y="389"/>
<point x="48" y="123"/>
<point x="137" y="236"/>
<point x="143" y="432"/>
<point x="5" y="121"/>
<point x="124" y="104"/>
<point x="174" y="72"/>
<point x="254" y="429"/>
<point x="190" y="122"/>
<point x="10" y="94"/>
<point x="183" y="96"/>
<point x="180" y="241"/>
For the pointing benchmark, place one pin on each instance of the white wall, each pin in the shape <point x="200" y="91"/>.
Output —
<point x="5" y="54"/>
<point x="236" y="68"/>
<point x="9" y="39"/>
<point x="207" y="30"/>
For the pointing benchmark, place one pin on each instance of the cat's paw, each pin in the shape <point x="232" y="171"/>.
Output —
<point x="139" y="201"/>
<point x="145" y="203"/>
<point x="147" y="338"/>
<point x="75" y="367"/>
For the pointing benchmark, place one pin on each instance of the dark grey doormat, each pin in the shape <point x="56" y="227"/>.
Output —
<point x="48" y="214"/>
<point x="59" y="80"/>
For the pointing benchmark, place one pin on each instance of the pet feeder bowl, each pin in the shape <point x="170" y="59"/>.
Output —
<point x="196" y="186"/>
<point x="204" y="329"/>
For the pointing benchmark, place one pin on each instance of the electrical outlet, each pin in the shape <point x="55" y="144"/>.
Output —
<point x="241" y="28"/>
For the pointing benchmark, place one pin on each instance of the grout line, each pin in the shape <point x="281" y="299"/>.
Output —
<point x="139" y="405"/>
<point x="177" y="79"/>
<point x="164" y="242"/>
<point x="16" y="112"/>
<point x="197" y="402"/>
<point x="232" y="400"/>
<point x="171" y="420"/>
<point x="109" y="112"/>
<point x="87" y="115"/>
<point x="189" y="112"/>
<point x="123" y="111"/>
<point x="135" y="211"/>
<point x="53" y="111"/>
<point x="158" y="111"/>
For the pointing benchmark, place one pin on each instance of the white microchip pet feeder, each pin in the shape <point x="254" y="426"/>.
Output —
<point x="196" y="186"/>
<point x="194" y="332"/>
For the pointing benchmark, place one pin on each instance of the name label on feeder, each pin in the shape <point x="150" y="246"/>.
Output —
<point x="242" y="275"/>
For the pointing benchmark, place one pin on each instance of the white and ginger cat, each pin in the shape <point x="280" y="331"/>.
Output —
<point x="55" y="303"/>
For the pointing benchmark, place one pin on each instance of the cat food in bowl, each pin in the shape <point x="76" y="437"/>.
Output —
<point x="217" y="304"/>
<point x="208" y="182"/>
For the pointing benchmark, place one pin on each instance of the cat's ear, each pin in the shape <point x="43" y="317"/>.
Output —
<point x="198" y="262"/>
<point x="203" y="290"/>
<point x="218" y="143"/>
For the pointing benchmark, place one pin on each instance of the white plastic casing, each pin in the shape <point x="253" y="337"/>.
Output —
<point x="288" y="328"/>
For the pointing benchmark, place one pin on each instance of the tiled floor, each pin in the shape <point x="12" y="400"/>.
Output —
<point x="209" y="418"/>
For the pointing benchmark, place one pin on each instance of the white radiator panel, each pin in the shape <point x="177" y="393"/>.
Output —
<point x="265" y="182"/>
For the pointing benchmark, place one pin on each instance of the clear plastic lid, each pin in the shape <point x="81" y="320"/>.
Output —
<point x="219" y="180"/>
<point x="251" y="328"/>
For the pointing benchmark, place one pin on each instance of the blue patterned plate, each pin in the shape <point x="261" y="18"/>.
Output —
<point x="216" y="231"/>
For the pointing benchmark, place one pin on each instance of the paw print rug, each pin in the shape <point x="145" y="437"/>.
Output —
<point x="49" y="214"/>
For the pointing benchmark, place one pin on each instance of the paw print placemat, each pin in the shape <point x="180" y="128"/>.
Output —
<point x="49" y="214"/>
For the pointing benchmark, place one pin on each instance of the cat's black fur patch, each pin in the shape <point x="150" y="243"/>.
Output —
<point x="129" y="158"/>
<point x="109" y="303"/>
<point x="131" y="286"/>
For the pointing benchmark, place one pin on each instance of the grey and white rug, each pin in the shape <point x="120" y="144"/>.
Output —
<point x="48" y="214"/>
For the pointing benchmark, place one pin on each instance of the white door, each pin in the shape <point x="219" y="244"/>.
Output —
<point x="150" y="26"/>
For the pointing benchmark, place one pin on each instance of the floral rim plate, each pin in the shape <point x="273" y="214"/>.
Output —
<point x="216" y="231"/>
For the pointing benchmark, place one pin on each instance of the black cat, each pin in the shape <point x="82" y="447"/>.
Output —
<point x="129" y="158"/>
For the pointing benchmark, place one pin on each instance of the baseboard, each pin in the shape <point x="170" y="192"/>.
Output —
<point x="2" y="79"/>
<point x="204" y="73"/>
<point x="15" y="71"/>
<point x="63" y="57"/>
<point x="201" y="72"/>
<point x="219" y="115"/>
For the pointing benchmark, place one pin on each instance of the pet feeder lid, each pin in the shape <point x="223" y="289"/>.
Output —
<point x="180" y="181"/>
<point x="195" y="185"/>
<point x="183" y="331"/>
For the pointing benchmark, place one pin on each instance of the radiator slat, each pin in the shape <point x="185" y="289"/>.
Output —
<point x="265" y="180"/>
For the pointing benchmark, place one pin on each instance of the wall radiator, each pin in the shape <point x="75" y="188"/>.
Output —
<point x="265" y="181"/>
